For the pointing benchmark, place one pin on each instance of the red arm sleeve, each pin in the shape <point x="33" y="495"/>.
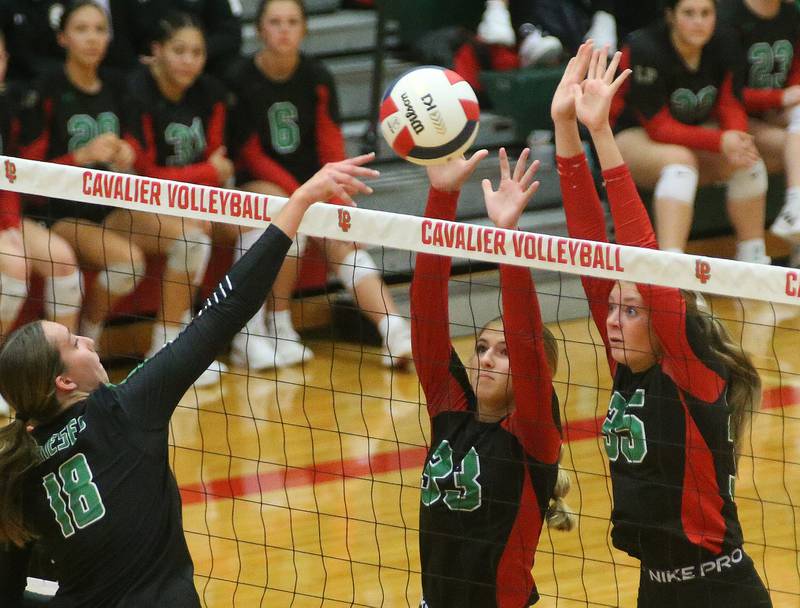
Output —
<point x="664" y="128"/>
<point x="730" y="111"/>
<point x="666" y="304"/>
<point x="262" y="167"/>
<point x="147" y="161"/>
<point x="533" y="421"/>
<point x="215" y="137"/>
<point x="761" y="100"/>
<point x="586" y="220"/>
<point x="330" y="141"/>
<point x="430" y="319"/>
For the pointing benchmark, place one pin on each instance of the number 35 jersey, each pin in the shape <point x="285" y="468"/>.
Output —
<point x="672" y="465"/>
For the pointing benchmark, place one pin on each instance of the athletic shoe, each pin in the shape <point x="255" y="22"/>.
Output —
<point x="212" y="375"/>
<point x="753" y="252"/>
<point x="603" y="31"/>
<point x="538" y="49"/>
<point x="787" y="224"/>
<point x="397" y="341"/>
<point x="495" y="26"/>
<point x="267" y="352"/>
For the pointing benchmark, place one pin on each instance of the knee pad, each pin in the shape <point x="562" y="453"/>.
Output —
<point x="121" y="278"/>
<point x="794" y="119"/>
<point x="190" y="254"/>
<point x="63" y="295"/>
<point x="748" y="183"/>
<point x="355" y="267"/>
<point x="677" y="182"/>
<point x="13" y="293"/>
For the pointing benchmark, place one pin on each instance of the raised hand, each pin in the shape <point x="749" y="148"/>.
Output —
<point x="452" y="175"/>
<point x="340" y="180"/>
<point x="505" y="205"/>
<point x="562" y="108"/>
<point x="593" y="97"/>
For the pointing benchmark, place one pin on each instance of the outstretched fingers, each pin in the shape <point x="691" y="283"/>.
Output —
<point x="505" y="168"/>
<point x="611" y="71"/>
<point x="519" y="166"/>
<point x="619" y="80"/>
<point x="528" y="176"/>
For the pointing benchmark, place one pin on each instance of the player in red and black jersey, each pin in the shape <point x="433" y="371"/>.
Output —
<point x="679" y="120"/>
<point x="287" y="126"/>
<point x="84" y="467"/>
<point x="79" y="119"/>
<point x="682" y="392"/>
<point x="769" y="34"/>
<point x="26" y="246"/>
<point x="178" y="132"/>
<point x="492" y="466"/>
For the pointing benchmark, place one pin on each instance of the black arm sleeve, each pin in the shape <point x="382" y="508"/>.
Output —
<point x="151" y="392"/>
<point x="13" y="574"/>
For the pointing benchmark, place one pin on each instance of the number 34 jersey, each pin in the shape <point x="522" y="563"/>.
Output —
<point x="672" y="466"/>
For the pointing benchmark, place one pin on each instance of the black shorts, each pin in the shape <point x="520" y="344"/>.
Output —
<point x="737" y="586"/>
<point x="55" y="210"/>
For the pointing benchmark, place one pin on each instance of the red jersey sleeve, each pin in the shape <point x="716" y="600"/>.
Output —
<point x="586" y="220"/>
<point x="430" y="319"/>
<point x="730" y="110"/>
<point x="664" y="128"/>
<point x="215" y="136"/>
<point x="666" y="304"/>
<point x="534" y="421"/>
<point x="253" y="158"/>
<point x="330" y="141"/>
<point x="147" y="160"/>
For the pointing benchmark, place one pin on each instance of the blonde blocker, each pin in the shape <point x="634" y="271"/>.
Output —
<point x="559" y="516"/>
<point x="744" y="386"/>
<point x="29" y="365"/>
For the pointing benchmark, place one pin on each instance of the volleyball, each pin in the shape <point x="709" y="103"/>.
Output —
<point x="429" y="115"/>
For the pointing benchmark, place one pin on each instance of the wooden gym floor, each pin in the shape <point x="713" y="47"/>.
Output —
<point x="301" y="488"/>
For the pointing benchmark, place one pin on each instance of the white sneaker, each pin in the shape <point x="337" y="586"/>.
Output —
<point x="267" y="352"/>
<point x="603" y="31"/>
<point x="5" y="409"/>
<point x="538" y="49"/>
<point x="397" y="341"/>
<point x="212" y="375"/>
<point x="787" y="224"/>
<point x="495" y="26"/>
<point x="752" y="251"/>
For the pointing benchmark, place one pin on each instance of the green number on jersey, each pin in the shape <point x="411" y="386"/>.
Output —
<point x="83" y="128"/>
<point x="187" y="142"/>
<point x="84" y="505"/>
<point x="440" y="466"/>
<point x="624" y="432"/>
<point x="687" y="105"/>
<point x="283" y="129"/>
<point x="764" y="59"/>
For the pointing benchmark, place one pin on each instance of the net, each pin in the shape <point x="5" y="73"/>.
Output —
<point x="301" y="485"/>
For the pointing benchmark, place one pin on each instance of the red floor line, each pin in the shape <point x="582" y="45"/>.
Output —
<point x="385" y="462"/>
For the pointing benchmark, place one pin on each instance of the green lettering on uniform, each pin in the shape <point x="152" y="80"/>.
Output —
<point x="84" y="506"/>
<point x="623" y="432"/>
<point x="283" y="129"/>
<point x="467" y="496"/>
<point x="188" y="142"/>
<point x="769" y="64"/>
<point x="688" y="106"/>
<point x="83" y="128"/>
<point x="439" y="466"/>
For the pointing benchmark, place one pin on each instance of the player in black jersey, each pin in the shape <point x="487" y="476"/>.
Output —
<point x="683" y="391"/>
<point x="79" y="119"/>
<point x="680" y="120"/>
<point x="178" y="131"/>
<point x="287" y="125"/>
<point x="492" y="466"/>
<point x="84" y="466"/>
<point x="769" y="34"/>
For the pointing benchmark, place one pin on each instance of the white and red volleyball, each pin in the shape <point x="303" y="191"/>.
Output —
<point x="429" y="115"/>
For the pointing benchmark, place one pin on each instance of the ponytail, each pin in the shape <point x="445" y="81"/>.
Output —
<point x="559" y="516"/>
<point x="29" y="365"/>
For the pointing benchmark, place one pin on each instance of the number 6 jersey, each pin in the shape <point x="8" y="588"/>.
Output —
<point x="486" y="486"/>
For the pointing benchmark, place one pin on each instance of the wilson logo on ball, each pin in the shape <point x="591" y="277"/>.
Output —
<point x="429" y="115"/>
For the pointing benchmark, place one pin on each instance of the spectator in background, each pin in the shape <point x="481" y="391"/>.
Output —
<point x="221" y="21"/>
<point x="286" y="125"/>
<point x="79" y="120"/>
<point x="179" y="126"/>
<point x="679" y="120"/>
<point x="31" y="28"/>
<point x="544" y="29"/>
<point x="26" y="246"/>
<point x="769" y="35"/>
